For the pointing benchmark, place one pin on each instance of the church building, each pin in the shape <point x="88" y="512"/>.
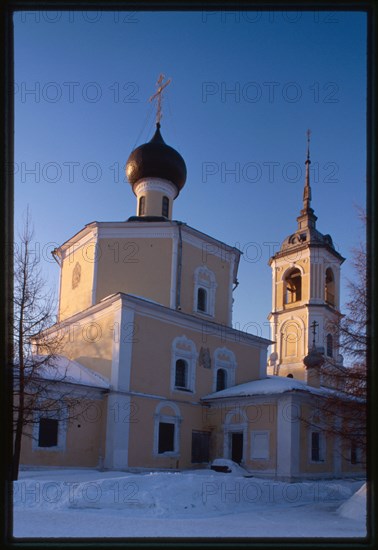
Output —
<point x="165" y="382"/>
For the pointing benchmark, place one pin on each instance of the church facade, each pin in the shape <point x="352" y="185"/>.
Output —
<point x="145" y="310"/>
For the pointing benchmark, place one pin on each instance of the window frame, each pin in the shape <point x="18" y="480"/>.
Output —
<point x="142" y="205"/>
<point x="224" y="371"/>
<point x="205" y="279"/>
<point x="224" y="359"/>
<point x="186" y="378"/>
<point x="165" y="206"/>
<point x="185" y="349"/>
<point x="322" y="446"/>
<point x="175" y="419"/>
<point x="43" y="419"/>
<point x="62" y="429"/>
<point x="201" y="291"/>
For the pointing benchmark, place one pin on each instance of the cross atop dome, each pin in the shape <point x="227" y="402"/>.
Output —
<point x="156" y="171"/>
<point x="158" y="95"/>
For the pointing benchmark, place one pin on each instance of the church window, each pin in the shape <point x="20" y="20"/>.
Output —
<point x="183" y="366"/>
<point x="224" y="369"/>
<point x="167" y="421"/>
<point x="166" y="437"/>
<point x="317" y="446"/>
<point x="142" y="206"/>
<point x="181" y="376"/>
<point x="49" y="428"/>
<point x="329" y="345"/>
<point x="355" y="453"/>
<point x="165" y="207"/>
<point x="221" y="379"/>
<point x="200" y="447"/>
<point x="48" y="432"/>
<point x="202" y="300"/>
<point x="329" y="290"/>
<point x="204" y="291"/>
<point x="293" y="287"/>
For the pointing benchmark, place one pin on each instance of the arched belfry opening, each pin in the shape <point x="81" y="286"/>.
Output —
<point x="329" y="288"/>
<point x="293" y="286"/>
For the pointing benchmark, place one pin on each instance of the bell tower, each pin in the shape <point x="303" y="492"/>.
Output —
<point x="305" y="289"/>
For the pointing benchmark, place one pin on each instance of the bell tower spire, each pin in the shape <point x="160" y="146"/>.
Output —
<point x="307" y="188"/>
<point x="307" y="218"/>
<point x="305" y="296"/>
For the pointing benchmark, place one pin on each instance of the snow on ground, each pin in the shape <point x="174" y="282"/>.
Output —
<point x="193" y="503"/>
<point x="355" y="506"/>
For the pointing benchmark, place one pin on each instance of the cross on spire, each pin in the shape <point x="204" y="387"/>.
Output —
<point x="158" y="96"/>
<point x="314" y="326"/>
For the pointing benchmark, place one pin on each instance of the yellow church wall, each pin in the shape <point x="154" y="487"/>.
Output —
<point x="90" y="341"/>
<point x="83" y="440"/>
<point x="152" y="357"/>
<point x="194" y="257"/>
<point x="142" y="427"/>
<point x="125" y="265"/>
<point x="77" y="280"/>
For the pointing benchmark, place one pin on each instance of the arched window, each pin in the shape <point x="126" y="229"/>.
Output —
<point x="329" y="345"/>
<point x="329" y="290"/>
<point x="142" y="206"/>
<point x="204" y="291"/>
<point x="293" y="286"/>
<point x="165" y="207"/>
<point x="221" y="379"/>
<point x="183" y="365"/>
<point x="290" y="375"/>
<point x="202" y="300"/>
<point x="224" y="369"/>
<point x="181" y="374"/>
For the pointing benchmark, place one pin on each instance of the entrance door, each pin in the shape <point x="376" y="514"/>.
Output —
<point x="237" y="446"/>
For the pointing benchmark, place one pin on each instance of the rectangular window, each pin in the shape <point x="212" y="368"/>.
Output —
<point x="200" y="447"/>
<point x="165" y="207"/>
<point x="259" y="445"/>
<point x="316" y="447"/>
<point x="166" y="437"/>
<point x="48" y="432"/>
<point x="355" y="454"/>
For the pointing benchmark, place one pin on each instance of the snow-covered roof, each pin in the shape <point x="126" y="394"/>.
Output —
<point x="61" y="369"/>
<point x="267" y="386"/>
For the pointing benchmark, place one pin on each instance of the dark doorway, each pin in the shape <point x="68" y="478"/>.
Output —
<point x="237" y="447"/>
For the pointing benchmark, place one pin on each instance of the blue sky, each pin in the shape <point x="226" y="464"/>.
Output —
<point x="245" y="88"/>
